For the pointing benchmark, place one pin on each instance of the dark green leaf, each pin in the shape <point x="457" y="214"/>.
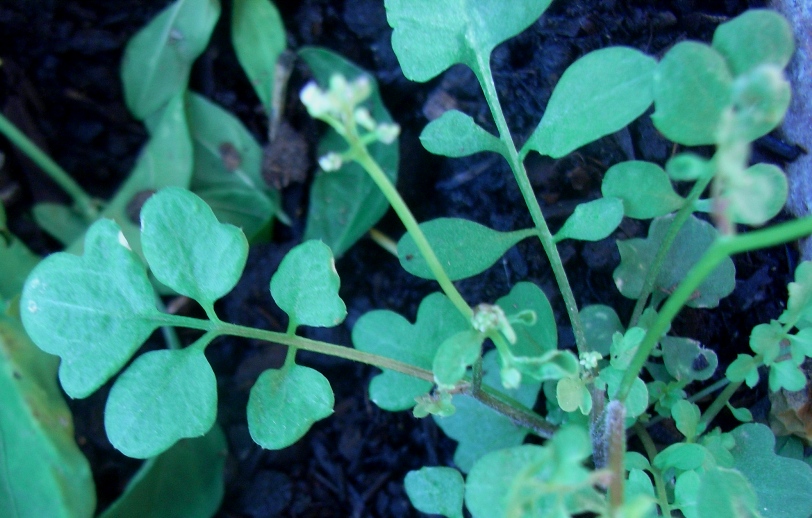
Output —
<point x="754" y="38"/>
<point x="644" y="188"/>
<point x="436" y="491"/>
<point x="725" y="493"/>
<point x="597" y="95"/>
<point x="455" y="355"/>
<point x="592" y="221"/>
<point x="285" y="403"/>
<point x="60" y="221"/>
<point x="258" y="36"/>
<point x="158" y="59"/>
<point x="600" y="323"/>
<point x="682" y="456"/>
<point x="93" y="311"/>
<point x="686" y="359"/>
<point x="493" y="477"/>
<point x="542" y="336"/>
<point x="464" y="248"/>
<point x="455" y="134"/>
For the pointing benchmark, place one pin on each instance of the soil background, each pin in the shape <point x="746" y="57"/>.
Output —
<point x="60" y="83"/>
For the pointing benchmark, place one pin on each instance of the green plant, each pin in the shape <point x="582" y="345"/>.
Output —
<point x="94" y="311"/>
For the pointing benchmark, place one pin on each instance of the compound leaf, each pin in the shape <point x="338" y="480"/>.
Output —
<point x="306" y="286"/>
<point x="164" y="396"/>
<point x="93" y="311"/>
<point x="285" y="403"/>
<point x="188" y="249"/>
<point x="437" y="490"/>
<point x="389" y="334"/>
<point x="597" y="95"/>
<point x="644" y="188"/>
<point x="592" y="221"/>
<point x="158" y="59"/>
<point x="455" y="134"/>
<point x="258" y="36"/>
<point x="464" y="248"/>
<point x="431" y="36"/>
<point x="756" y="37"/>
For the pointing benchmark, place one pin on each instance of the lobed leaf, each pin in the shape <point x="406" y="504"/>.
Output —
<point x="643" y="187"/>
<point x="592" y="221"/>
<point x="285" y="403"/>
<point x="437" y="490"/>
<point x="455" y="134"/>
<point x="430" y="36"/>
<point x="93" y="311"/>
<point x="158" y="59"/>
<point x="258" y="36"/>
<point x="602" y="92"/>
<point x="164" y="396"/>
<point x="755" y="37"/>
<point x="389" y="334"/>
<point x="306" y="286"/>
<point x="464" y="248"/>
<point x="345" y="204"/>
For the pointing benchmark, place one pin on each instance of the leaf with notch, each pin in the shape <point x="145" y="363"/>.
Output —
<point x="599" y="94"/>
<point x="455" y="134"/>
<point x="464" y="248"/>
<point x="389" y="334"/>
<point x="345" y="204"/>
<point x="188" y="249"/>
<point x="305" y="286"/>
<point x="258" y="36"/>
<point x="284" y="404"/>
<point x="430" y="36"/>
<point x="164" y="396"/>
<point x="644" y="188"/>
<point x="158" y="59"/>
<point x="592" y="221"/>
<point x="756" y="37"/>
<point x="93" y="311"/>
<point x="437" y="490"/>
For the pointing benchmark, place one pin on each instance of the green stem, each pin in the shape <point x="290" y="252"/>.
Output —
<point x="80" y="198"/>
<point x="513" y="410"/>
<point x="520" y="174"/>
<point x="723" y="247"/>
<point x="659" y="483"/>
<point x="709" y="390"/>
<point x="718" y="404"/>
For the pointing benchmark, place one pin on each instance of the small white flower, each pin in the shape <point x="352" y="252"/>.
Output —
<point x="315" y="100"/>
<point x="590" y="359"/>
<point x="364" y="119"/>
<point x="330" y="162"/>
<point x="387" y="133"/>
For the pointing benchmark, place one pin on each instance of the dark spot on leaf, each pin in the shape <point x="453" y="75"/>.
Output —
<point x="700" y="363"/>
<point x="409" y="257"/>
<point x="133" y="209"/>
<point x="17" y="375"/>
<point x="230" y="156"/>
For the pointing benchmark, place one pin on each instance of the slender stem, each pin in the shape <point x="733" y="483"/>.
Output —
<point x="384" y="241"/>
<point x="80" y="198"/>
<point x="520" y="174"/>
<point x="709" y="390"/>
<point x="515" y="411"/>
<point x="723" y="247"/>
<point x="719" y="403"/>
<point x="659" y="483"/>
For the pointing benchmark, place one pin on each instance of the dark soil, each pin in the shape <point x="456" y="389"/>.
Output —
<point x="60" y="83"/>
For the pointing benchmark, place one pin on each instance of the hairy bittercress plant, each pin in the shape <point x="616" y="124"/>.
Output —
<point x="94" y="311"/>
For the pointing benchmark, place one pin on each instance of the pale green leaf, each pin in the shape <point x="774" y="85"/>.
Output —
<point x="93" y="311"/>
<point x="463" y="247"/>
<point x="437" y="490"/>
<point x="306" y="286"/>
<point x="786" y="375"/>
<point x="692" y="87"/>
<point x="540" y="337"/>
<point x="164" y="396"/>
<point x="682" y="456"/>
<point x="756" y="196"/>
<point x="741" y="414"/>
<point x="756" y="37"/>
<point x="600" y="323"/>
<point x="744" y="367"/>
<point x="686" y="359"/>
<point x="258" y="36"/>
<point x="592" y="221"/>
<point x="430" y="36"/>
<point x="455" y="134"/>
<point x="60" y="221"/>
<point x="643" y="187"/>
<point x="686" y="416"/>
<point x="492" y="478"/>
<point x="158" y="59"/>
<point x="285" y="403"/>
<point x="637" y="400"/>
<point x="799" y="303"/>
<point x="725" y="493"/>
<point x="599" y="94"/>
<point x="455" y="355"/>
<point x="572" y="395"/>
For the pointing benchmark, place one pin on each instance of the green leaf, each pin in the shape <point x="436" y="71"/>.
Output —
<point x="686" y="359"/>
<point x="285" y="403"/>
<point x="643" y="187"/>
<point x="757" y="195"/>
<point x="492" y="478"/>
<point x="542" y="336"/>
<point x="431" y="36"/>
<point x="436" y="491"/>
<point x="572" y="394"/>
<point x="592" y="221"/>
<point x="478" y="428"/>
<point x="164" y="396"/>
<point x="228" y="167"/>
<point x="258" y="36"/>
<point x="42" y="470"/>
<point x="725" y="493"/>
<point x="17" y="261"/>
<point x="306" y="286"/>
<point x="786" y="375"/>
<point x="741" y="414"/>
<point x="682" y="456"/>
<point x="743" y="368"/>
<point x="389" y="334"/>
<point x="783" y="486"/>
<point x="93" y="311"/>
<point x="765" y="339"/>
<point x="60" y="221"/>
<point x="185" y="480"/>
<point x="756" y="37"/>
<point x="692" y="88"/>
<point x="687" y="167"/>
<point x="455" y="134"/>
<point x="158" y="59"/>
<point x="799" y="302"/>
<point x="345" y="204"/>
<point x="691" y="242"/>
<point x="188" y="249"/>
<point x="624" y="346"/>
<point x="686" y="416"/>
<point x="636" y="401"/>
<point x="599" y="94"/>
<point x="455" y="355"/>
<point x="464" y="248"/>
<point x="600" y="323"/>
